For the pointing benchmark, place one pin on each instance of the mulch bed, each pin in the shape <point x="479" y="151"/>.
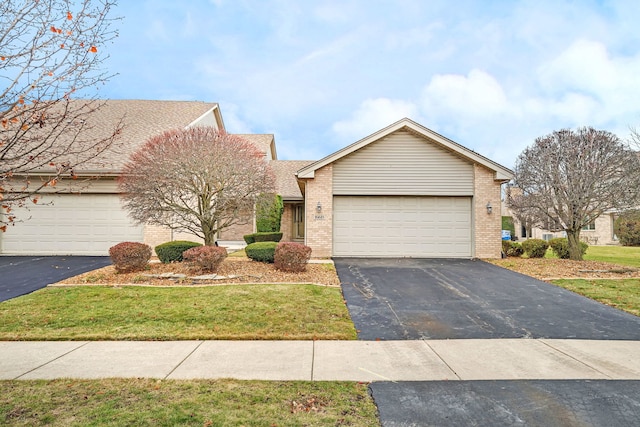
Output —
<point x="551" y="268"/>
<point x="248" y="271"/>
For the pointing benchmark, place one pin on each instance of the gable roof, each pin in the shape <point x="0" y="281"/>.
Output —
<point x="286" y="182"/>
<point x="264" y="142"/>
<point x="501" y="173"/>
<point x="140" y="120"/>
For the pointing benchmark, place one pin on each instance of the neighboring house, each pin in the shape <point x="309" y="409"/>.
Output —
<point x="404" y="191"/>
<point x="599" y="232"/>
<point x="85" y="216"/>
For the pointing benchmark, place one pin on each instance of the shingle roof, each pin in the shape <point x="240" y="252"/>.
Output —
<point x="286" y="181"/>
<point x="142" y="119"/>
<point x="264" y="142"/>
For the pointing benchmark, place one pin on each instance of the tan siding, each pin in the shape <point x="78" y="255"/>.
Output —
<point x="403" y="164"/>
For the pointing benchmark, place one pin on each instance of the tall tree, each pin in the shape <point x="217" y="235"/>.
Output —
<point x="50" y="52"/>
<point x="198" y="180"/>
<point x="566" y="179"/>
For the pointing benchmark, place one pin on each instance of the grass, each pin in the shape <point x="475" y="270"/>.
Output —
<point x="247" y="312"/>
<point x="140" y="402"/>
<point x="623" y="294"/>
<point x="622" y="255"/>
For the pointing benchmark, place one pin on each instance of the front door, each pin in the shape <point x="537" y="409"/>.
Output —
<point x="298" y="221"/>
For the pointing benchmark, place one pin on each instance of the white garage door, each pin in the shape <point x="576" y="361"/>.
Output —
<point x="72" y="224"/>
<point x="402" y="226"/>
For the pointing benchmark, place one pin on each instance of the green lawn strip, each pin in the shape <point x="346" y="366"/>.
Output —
<point x="237" y="312"/>
<point x="623" y="294"/>
<point x="140" y="402"/>
<point x="622" y="255"/>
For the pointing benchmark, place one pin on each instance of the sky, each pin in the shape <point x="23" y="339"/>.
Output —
<point x="492" y="75"/>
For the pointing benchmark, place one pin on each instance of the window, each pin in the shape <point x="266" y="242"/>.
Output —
<point x="589" y="227"/>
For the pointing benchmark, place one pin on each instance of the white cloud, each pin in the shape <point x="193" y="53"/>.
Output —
<point x="372" y="115"/>
<point x="475" y="96"/>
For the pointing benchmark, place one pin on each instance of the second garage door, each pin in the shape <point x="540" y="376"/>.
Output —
<point x="402" y="226"/>
<point x="70" y="224"/>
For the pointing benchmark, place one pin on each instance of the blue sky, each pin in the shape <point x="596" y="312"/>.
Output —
<point x="491" y="75"/>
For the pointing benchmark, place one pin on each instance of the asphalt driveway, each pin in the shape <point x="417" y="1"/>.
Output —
<point x="391" y="299"/>
<point x="20" y="275"/>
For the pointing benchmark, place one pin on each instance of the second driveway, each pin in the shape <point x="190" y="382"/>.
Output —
<point x="391" y="299"/>
<point x="20" y="275"/>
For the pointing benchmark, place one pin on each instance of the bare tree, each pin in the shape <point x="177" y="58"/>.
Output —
<point x="198" y="180"/>
<point x="50" y="52"/>
<point x="569" y="178"/>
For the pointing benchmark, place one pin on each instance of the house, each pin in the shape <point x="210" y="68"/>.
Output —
<point x="599" y="232"/>
<point x="85" y="216"/>
<point x="404" y="191"/>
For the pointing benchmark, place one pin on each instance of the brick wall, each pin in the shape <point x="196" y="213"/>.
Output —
<point x="155" y="235"/>
<point x="487" y="226"/>
<point x="237" y="231"/>
<point x="319" y="235"/>
<point x="286" y="223"/>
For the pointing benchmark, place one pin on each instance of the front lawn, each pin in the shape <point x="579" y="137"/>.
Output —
<point x="234" y="312"/>
<point x="623" y="294"/>
<point x="136" y="402"/>
<point x="621" y="255"/>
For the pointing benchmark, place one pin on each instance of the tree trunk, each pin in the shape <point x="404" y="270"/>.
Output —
<point x="575" y="249"/>
<point x="209" y="234"/>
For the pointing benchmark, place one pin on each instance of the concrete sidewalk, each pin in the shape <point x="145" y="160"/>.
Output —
<point x="430" y="360"/>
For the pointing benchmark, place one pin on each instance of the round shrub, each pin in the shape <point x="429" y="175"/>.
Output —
<point x="535" y="248"/>
<point x="560" y="247"/>
<point x="263" y="237"/>
<point x="172" y="251"/>
<point x="130" y="256"/>
<point x="512" y="249"/>
<point x="208" y="258"/>
<point x="291" y="256"/>
<point x="261" y="251"/>
<point x="627" y="228"/>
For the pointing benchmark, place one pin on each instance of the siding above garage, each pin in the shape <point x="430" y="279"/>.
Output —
<point x="403" y="164"/>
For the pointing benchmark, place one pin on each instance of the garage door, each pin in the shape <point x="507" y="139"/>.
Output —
<point x="87" y="224"/>
<point x="402" y="226"/>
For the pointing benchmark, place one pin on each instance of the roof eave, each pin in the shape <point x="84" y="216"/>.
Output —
<point x="502" y="173"/>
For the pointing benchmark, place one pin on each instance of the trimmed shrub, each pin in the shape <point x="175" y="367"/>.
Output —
<point x="261" y="251"/>
<point x="627" y="228"/>
<point x="512" y="249"/>
<point x="269" y="210"/>
<point x="291" y="256"/>
<point x="172" y="251"/>
<point x="130" y="256"/>
<point x="263" y="237"/>
<point x="535" y="248"/>
<point x="560" y="247"/>
<point x="208" y="258"/>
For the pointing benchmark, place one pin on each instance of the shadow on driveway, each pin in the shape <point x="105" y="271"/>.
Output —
<point x="20" y="275"/>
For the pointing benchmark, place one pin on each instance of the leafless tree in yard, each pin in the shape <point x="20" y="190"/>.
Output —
<point x="566" y="179"/>
<point x="50" y="52"/>
<point x="198" y="180"/>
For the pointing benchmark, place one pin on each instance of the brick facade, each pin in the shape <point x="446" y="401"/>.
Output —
<point x="237" y="231"/>
<point x="286" y="223"/>
<point x="319" y="233"/>
<point x="487" y="227"/>
<point x="155" y="235"/>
